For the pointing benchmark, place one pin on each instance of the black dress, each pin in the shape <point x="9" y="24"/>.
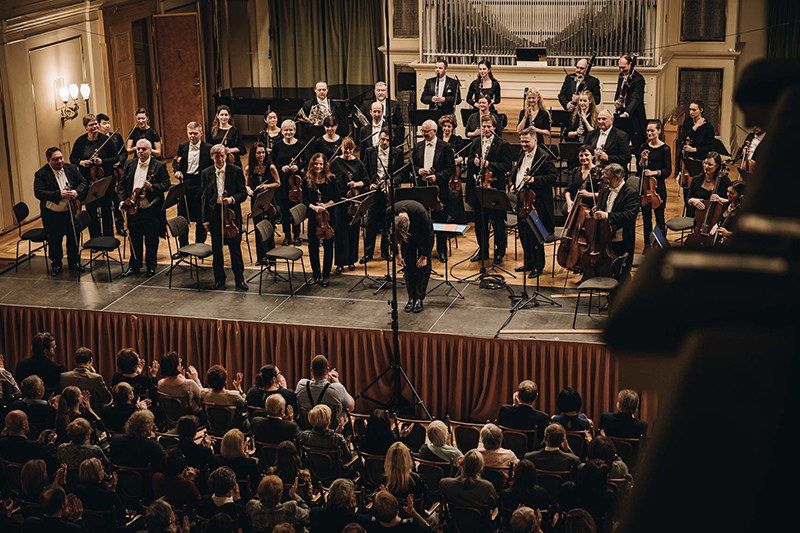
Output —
<point x="233" y="140"/>
<point x="254" y="180"/>
<point x="540" y="121"/>
<point x="346" y="235"/>
<point x="326" y="148"/>
<point x="282" y="154"/>
<point x="660" y="160"/>
<point x="320" y="194"/>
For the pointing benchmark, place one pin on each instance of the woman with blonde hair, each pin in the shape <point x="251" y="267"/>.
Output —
<point x="234" y="454"/>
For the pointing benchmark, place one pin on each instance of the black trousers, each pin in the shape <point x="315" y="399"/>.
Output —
<point x="376" y="220"/>
<point x="498" y="220"/>
<point x="345" y="238"/>
<point x="234" y="249"/>
<point x="144" y="228"/>
<point x="192" y="200"/>
<point x="313" y="249"/>
<point x="416" y="278"/>
<point x="57" y="226"/>
<point x="100" y="211"/>
<point x="533" y="255"/>
<point x="647" y="217"/>
<point x="286" y="219"/>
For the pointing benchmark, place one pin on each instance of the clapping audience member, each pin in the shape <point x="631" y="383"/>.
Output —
<point x="379" y="435"/>
<point x="41" y="415"/>
<point x="224" y="498"/>
<point x="270" y="380"/>
<point x="130" y="370"/>
<point x="469" y="489"/>
<point x="624" y="424"/>
<point x="125" y="404"/>
<point x="97" y="491"/>
<point x="277" y="426"/>
<point x="266" y="510"/>
<point x="339" y="511"/>
<point x="137" y="447"/>
<point x="176" y="481"/>
<point x="524" y="489"/>
<point x="569" y="405"/>
<point x="556" y="454"/>
<point x="60" y="513"/>
<point x="522" y="414"/>
<point x="288" y="467"/>
<point x="79" y="447"/>
<point x="494" y="455"/>
<point x="439" y="447"/>
<point x="386" y="510"/>
<point x="178" y="381"/>
<point x="197" y="456"/>
<point x="234" y="455"/>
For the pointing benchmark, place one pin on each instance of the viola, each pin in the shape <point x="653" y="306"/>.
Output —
<point x="229" y="228"/>
<point x="324" y="229"/>
<point x="706" y="219"/>
<point x="648" y="185"/>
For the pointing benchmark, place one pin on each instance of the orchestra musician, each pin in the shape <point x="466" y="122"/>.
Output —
<point x="535" y="116"/>
<point x="619" y="204"/>
<point x="701" y="188"/>
<point x="319" y="192"/>
<point x="414" y="234"/>
<point x="223" y="129"/>
<point x="473" y="126"/>
<point x="754" y="138"/>
<point x="382" y="96"/>
<point x="611" y="145"/>
<point x="329" y="143"/>
<point x="578" y="186"/>
<point x="146" y="173"/>
<point x="568" y="96"/>
<point x="143" y="130"/>
<point x="379" y="162"/>
<point x="535" y="160"/>
<point x="659" y="166"/>
<point x="271" y="132"/>
<point x="192" y="158"/>
<point x="484" y="84"/>
<point x="441" y="91"/>
<point x="83" y="156"/>
<point x="735" y="194"/>
<point x="117" y="145"/>
<point x="699" y="132"/>
<point x="492" y="153"/>
<point x="260" y="174"/>
<point x="583" y="119"/>
<point x="632" y="105"/>
<point x="224" y="188"/>
<point x="283" y="152"/>
<point x="434" y="164"/>
<point x="350" y="175"/>
<point x="447" y="129"/>
<point x="54" y="185"/>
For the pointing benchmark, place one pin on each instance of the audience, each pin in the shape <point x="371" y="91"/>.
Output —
<point x="224" y="498"/>
<point x="217" y="394"/>
<point x="494" y="455"/>
<point x="323" y="388"/>
<point x="175" y="482"/>
<point x="523" y="489"/>
<point x="60" y="513"/>
<point x="197" y="456"/>
<point x="569" y="405"/>
<point x="16" y="447"/>
<point x="129" y="370"/>
<point x="439" y="447"/>
<point x="98" y="492"/>
<point x="78" y="449"/>
<point x="266" y="510"/>
<point x="86" y="378"/>
<point x="137" y="447"/>
<point x="289" y="468"/>
<point x="41" y="415"/>
<point x="322" y="437"/>
<point x="234" y="455"/>
<point x="114" y="416"/>
<point x="379" y="435"/>
<point x="275" y="428"/>
<point x="468" y="489"/>
<point x="556" y="456"/>
<point x="269" y="381"/>
<point x="386" y="511"/>
<point x="179" y="382"/>
<point x="624" y="423"/>
<point x="339" y="511"/>
<point x="521" y="414"/>
<point x="41" y="362"/>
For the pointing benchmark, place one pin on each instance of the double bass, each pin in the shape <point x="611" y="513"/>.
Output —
<point x="706" y="219"/>
<point x="599" y="255"/>
<point x="648" y="185"/>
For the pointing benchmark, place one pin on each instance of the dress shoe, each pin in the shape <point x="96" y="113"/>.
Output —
<point x="365" y="260"/>
<point x="339" y="269"/>
<point x="409" y="306"/>
<point x="55" y="270"/>
<point x="151" y="272"/>
<point x="442" y="258"/>
<point x="498" y="259"/>
<point x="325" y="283"/>
<point x="77" y="267"/>
<point x="218" y="285"/>
<point x="242" y="285"/>
<point x="418" y="306"/>
<point x="130" y="272"/>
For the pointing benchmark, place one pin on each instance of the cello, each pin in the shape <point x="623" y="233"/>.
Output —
<point x="706" y="219"/>
<point x="648" y="185"/>
<point x="599" y="255"/>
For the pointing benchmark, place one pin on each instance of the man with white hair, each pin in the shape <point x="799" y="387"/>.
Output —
<point x="146" y="174"/>
<point x="611" y="145"/>
<point x="434" y="165"/>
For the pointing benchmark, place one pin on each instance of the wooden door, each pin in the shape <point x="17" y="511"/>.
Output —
<point x="179" y="77"/>
<point x="123" y="76"/>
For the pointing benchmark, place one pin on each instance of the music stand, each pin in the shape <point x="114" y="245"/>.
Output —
<point x="449" y="230"/>
<point x="489" y="198"/>
<point x="362" y="210"/>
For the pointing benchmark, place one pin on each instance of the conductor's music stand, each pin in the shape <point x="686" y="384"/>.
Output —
<point x="489" y="198"/>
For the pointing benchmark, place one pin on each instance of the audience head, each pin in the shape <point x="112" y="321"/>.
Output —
<point x="33" y="479"/>
<point x="222" y="481"/>
<point x="220" y="523"/>
<point x="527" y="391"/>
<point x="270" y="490"/>
<point x="127" y="361"/>
<point x="159" y="517"/>
<point x="579" y="521"/>
<point x="232" y="445"/>
<point x="492" y="437"/>
<point x="593" y="476"/>
<point x="174" y="462"/>
<point x="90" y="472"/>
<point x="319" y="367"/>
<point x="554" y="435"/>
<point x="569" y="401"/>
<point x="437" y="433"/>
<point x="53" y="501"/>
<point x="17" y="423"/>
<point x="525" y="476"/>
<point x="187" y="427"/>
<point x="523" y="520"/>
<point x="602" y="448"/>
<point x="122" y="394"/>
<point x="140" y="424"/>
<point x="398" y="466"/>
<point x="44" y="344"/>
<point x="32" y="388"/>
<point x="385" y="507"/>
<point x="320" y="417"/>
<point x="216" y="378"/>
<point x="78" y="431"/>
<point x="276" y="405"/>
<point x="171" y="364"/>
<point x="340" y="495"/>
<point x="471" y="467"/>
<point x="627" y="401"/>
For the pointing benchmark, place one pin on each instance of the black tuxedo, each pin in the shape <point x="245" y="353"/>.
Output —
<point x="623" y="216"/>
<point x="634" y="106"/>
<point x="523" y="417"/>
<point x="375" y="213"/>
<point x="212" y="214"/>
<point x="58" y="225"/>
<point x="544" y="177"/>
<point x="499" y="159"/>
<point x="419" y="244"/>
<point x="570" y="87"/>
<point x="147" y="224"/>
<point x="444" y="167"/>
<point x="194" y="195"/>
<point x="617" y="144"/>
<point x="452" y="95"/>
<point x="103" y="205"/>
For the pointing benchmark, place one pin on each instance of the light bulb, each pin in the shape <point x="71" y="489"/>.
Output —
<point x="73" y="90"/>
<point x="85" y="91"/>
<point x="63" y="93"/>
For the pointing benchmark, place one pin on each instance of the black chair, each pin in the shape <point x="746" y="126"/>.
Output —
<point x="178" y="227"/>
<point x="290" y="254"/>
<point x="98" y="246"/>
<point x="38" y="235"/>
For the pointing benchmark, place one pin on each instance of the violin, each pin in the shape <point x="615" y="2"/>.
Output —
<point x="295" y="181"/>
<point x="706" y="219"/>
<point x="648" y="185"/>
<point x="599" y="255"/>
<point x="229" y="228"/>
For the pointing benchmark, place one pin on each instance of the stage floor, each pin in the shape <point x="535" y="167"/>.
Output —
<point x="480" y="313"/>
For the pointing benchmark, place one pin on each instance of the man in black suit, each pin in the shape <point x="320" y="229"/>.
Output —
<point x="223" y="185"/>
<point x="16" y="447"/>
<point x="117" y="145"/>
<point x="55" y="185"/>
<point x="441" y="91"/>
<point x="492" y="153"/>
<point x="632" y="104"/>
<point x="574" y="83"/>
<point x="556" y="456"/>
<point x="415" y="237"/>
<point x="434" y="163"/>
<point x="522" y="415"/>
<point x="619" y="203"/>
<point x="41" y="362"/>
<point x="146" y="225"/>
<point x="624" y="423"/>
<point x="193" y="157"/>
<point x="541" y="183"/>
<point x="382" y="97"/>
<point x="611" y="145"/>
<point x="275" y="429"/>
<point x="379" y="163"/>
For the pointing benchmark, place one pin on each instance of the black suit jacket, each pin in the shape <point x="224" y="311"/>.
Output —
<point x="234" y="184"/>
<point x="634" y="100"/>
<point x="157" y="175"/>
<point x="370" y="159"/>
<point x="452" y="94"/>
<point x="523" y="417"/>
<point x="618" y="146"/>
<point x="45" y="186"/>
<point x="274" y="430"/>
<point x="420" y="229"/>
<point x="499" y="158"/>
<point x="623" y="213"/>
<point x="623" y="425"/>
<point x="181" y="161"/>
<point x="543" y="180"/>
<point x="394" y="107"/>
<point x="443" y="164"/>
<point x="570" y="85"/>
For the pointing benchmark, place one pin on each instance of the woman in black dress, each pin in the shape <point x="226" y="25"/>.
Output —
<point x="271" y="132"/>
<point x="224" y="132"/>
<point x="534" y="116"/>
<point x="484" y="84"/>
<point x="702" y="188"/>
<point x="330" y="142"/>
<point x="350" y="175"/>
<point x="143" y="131"/>
<point x="283" y="152"/>
<point x="319" y="192"/>
<point x="583" y="119"/>
<point x="659" y="166"/>
<point x="261" y="175"/>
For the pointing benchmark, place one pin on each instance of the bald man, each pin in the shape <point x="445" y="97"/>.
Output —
<point x="611" y="145"/>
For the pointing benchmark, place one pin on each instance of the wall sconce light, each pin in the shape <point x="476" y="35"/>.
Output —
<point x="69" y="96"/>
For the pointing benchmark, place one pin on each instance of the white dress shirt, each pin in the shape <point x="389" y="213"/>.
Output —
<point x="220" y="182"/>
<point x="524" y="165"/>
<point x="139" y="177"/>
<point x="613" y="192"/>
<point x="193" y="163"/>
<point x="63" y="184"/>
<point x="602" y="138"/>
<point x="429" y="151"/>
